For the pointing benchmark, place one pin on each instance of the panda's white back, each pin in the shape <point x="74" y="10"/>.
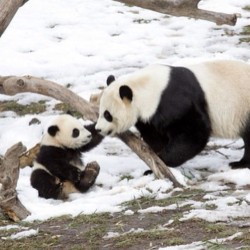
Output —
<point x="226" y="85"/>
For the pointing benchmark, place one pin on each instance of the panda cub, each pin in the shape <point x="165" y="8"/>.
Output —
<point x="177" y="109"/>
<point x="58" y="169"/>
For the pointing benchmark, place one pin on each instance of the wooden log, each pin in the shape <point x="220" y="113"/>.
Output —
<point x="187" y="8"/>
<point x="8" y="9"/>
<point x="13" y="85"/>
<point x="9" y="174"/>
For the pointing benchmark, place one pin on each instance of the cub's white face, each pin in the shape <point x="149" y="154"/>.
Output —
<point x="117" y="112"/>
<point x="66" y="131"/>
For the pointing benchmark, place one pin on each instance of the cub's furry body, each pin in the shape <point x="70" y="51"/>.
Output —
<point x="58" y="169"/>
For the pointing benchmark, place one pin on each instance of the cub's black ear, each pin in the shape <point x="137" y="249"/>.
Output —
<point x="110" y="79"/>
<point x="52" y="130"/>
<point x="126" y="92"/>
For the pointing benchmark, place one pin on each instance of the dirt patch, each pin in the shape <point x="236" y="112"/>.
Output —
<point x="135" y="231"/>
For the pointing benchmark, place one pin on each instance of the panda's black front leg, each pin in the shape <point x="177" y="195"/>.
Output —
<point x="96" y="138"/>
<point x="181" y="149"/>
<point x="187" y="138"/>
<point x="65" y="171"/>
<point x="151" y="136"/>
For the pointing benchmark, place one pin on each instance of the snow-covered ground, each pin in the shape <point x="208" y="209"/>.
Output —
<point x="80" y="43"/>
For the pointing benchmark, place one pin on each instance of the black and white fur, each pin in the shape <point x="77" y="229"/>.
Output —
<point x="177" y="109"/>
<point x="58" y="169"/>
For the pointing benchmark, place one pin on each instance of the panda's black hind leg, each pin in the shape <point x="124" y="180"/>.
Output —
<point x="88" y="176"/>
<point x="245" y="161"/>
<point x="182" y="148"/>
<point x="47" y="185"/>
<point x="187" y="137"/>
<point x="240" y="164"/>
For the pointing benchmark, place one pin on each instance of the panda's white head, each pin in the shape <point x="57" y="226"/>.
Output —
<point x="117" y="112"/>
<point x="130" y="98"/>
<point x="66" y="132"/>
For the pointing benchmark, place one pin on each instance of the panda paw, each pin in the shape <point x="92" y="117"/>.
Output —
<point x="240" y="164"/>
<point x="88" y="176"/>
<point x="75" y="175"/>
<point x="91" y="171"/>
<point x="148" y="172"/>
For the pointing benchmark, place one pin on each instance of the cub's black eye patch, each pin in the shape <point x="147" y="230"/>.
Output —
<point x="52" y="130"/>
<point x="75" y="133"/>
<point x="108" y="116"/>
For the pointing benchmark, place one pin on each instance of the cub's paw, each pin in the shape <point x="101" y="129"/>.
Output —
<point x="91" y="172"/>
<point x="75" y="175"/>
<point x="88" y="176"/>
<point x="93" y="167"/>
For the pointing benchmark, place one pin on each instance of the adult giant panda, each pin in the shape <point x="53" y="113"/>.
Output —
<point x="58" y="169"/>
<point x="177" y="109"/>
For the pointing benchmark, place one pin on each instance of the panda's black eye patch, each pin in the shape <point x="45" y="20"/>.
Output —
<point x="75" y="133"/>
<point x="108" y="116"/>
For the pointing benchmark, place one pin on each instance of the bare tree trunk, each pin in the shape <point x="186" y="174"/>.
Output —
<point x="13" y="85"/>
<point x="8" y="9"/>
<point x="9" y="173"/>
<point x="187" y="8"/>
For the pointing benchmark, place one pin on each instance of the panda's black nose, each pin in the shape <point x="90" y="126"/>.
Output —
<point x="98" y="130"/>
<point x="89" y="136"/>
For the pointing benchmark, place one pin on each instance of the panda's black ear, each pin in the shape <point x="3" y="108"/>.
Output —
<point x="52" y="130"/>
<point x="126" y="92"/>
<point x="110" y="79"/>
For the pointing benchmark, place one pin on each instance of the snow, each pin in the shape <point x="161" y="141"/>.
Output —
<point x="80" y="43"/>
<point x="199" y="245"/>
<point x="23" y="234"/>
<point x="9" y="227"/>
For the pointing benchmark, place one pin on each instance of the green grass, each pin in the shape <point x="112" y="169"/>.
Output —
<point x="19" y="109"/>
<point x="98" y="219"/>
<point x="247" y="7"/>
<point x="35" y="108"/>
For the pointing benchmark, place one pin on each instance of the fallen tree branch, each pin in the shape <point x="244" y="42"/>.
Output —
<point x="27" y="158"/>
<point x="187" y="8"/>
<point x="13" y="85"/>
<point x="158" y="167"/>
<point x="8" y="9"/>
<point x="9" y="173"/>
